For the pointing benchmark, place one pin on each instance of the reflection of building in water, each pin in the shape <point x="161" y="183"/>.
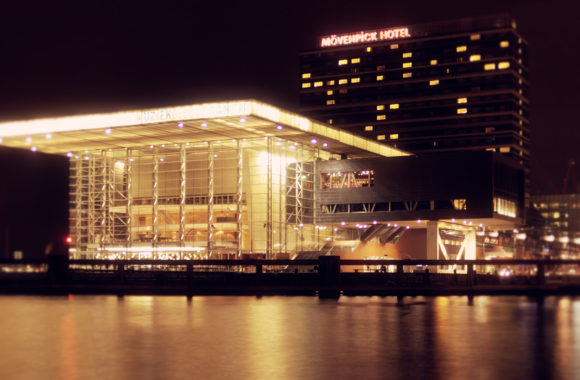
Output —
<point x="227" y="180"/>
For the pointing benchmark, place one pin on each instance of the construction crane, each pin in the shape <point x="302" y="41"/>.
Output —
<point x="569" y="174"/>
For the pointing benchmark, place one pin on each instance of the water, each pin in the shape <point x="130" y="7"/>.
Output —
<point x="105" y="337"/>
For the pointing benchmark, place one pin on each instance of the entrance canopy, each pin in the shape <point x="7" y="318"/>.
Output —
<point x="176" y="125"/>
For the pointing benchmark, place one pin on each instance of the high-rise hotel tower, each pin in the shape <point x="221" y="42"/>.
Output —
<point x="446" y="86"/>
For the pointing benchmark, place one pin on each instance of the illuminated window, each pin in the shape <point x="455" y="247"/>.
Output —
<point x="475" y="37"/>
<point x="355" y="80"/>
<point x="368" y="128"/>
<point x="407" y="54"/>
<point x="504" y="149"/>
<point x="504" y="44"/>
<point x="434" y="82"/>
<point x="380" y="107"/>
<point x="394" y="136"/>
<point x="318" y="84"/>
<point x="460" y="49"/>
<point x="330" y="83"/>
<point x="329" y="92"/>
<point x="305" y="75"/>
<point x="381" y="117"/>
<point x="461" y="100"/>
<point x="407" y="75"/>
<point x="380" y="137"/>
<point x="433" y="62"/>
<point x="330" y="121"/>
<point x="355" y="60"/>
<point x="394" y="106"/>
<point x="380" y="77"/>
<point x="489" y="66"/>
<point x="461" y="111"/>
<point x="369" y="49"/>
<point x="407" y="64"/>
<point x="343" y="62"/>
<point x="504" y="207"/>
<point x="381" y="68"/>
<point x="475" y="57"/>
<point x="503" y="65"/>
<point x="394" y="46"/>
<point x="306" y="85"/>
<point x="342" y="81"/>
<point x="330" y="102"/>
<point x="460" y="204"/>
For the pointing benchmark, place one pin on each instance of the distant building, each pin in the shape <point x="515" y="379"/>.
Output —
<point x="457" y="85"/>
<point x="560" y="212"/>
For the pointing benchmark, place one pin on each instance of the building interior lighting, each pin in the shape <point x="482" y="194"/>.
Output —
<point x="325" y="145"/>
<point x="204" y="125"/>
<point x="279" y="127"/>
<point x="180" y="124"/>
<point x="314" y="141"/>
<point x="69" y="154"/>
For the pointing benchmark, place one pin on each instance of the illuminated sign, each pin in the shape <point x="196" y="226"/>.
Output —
<point x="364" y="37"/>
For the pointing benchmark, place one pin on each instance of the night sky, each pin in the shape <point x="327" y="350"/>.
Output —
<point x="82" y="56"/>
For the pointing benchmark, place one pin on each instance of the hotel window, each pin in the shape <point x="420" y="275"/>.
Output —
<point x="305" y="75"/>
<point x="330" y="83"/>
<point x="407" y="75"/>
<point x="329" y="92"/>
<point x="475" y="37"/>
<point x="355" y="80"/>
<point x="330" y="121"/>
<point x="306" y="85"/>
<point x="503" y="65"/>
<point x="381" y="117"/>
<point x="504" y="149"/>
<point x="318" y="84"/>
<point x="380" y="137"/>
<point x="433" y="62"/>
<point x="460" y="204"/>
<point x="474" y="58"/>
<point x="394" y="106"/>
<point x="369" y="49"/>
<point x="434" y="82"/>
<point x="461" y="49"/>
<point x="461" y="111"/>
<point x="380" y="107"/>
<point x="330" y="102"/>
<point x="380" y="77"/>
<point x="504" y="207"/>
<point x="368" y="128"/>
<point x="504" y="44"/>
<point x="394" y="46"/>
<point x="355" y="60"/>
<point x="394" y="136"/>
<point x="407" y="64"/>
<point x="343" y="62"/>
<point x="342" y="81"/>
<point x="407" y="54"/>
<point x="381" y="68"/>
<point x="461" y="100"/>
<point x="489" y="66"/>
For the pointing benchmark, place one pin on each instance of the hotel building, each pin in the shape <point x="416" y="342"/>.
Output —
<point x="449" y="86"/>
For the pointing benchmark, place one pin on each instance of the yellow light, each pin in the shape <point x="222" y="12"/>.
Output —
<point x="504" y="44"/>
<point x="433" y="62"/>
<point x="407" y="64"/>
<point x="460" y="49"/>
<point x="394" y="136"/>
<point x="394" y="106"/>
<point x="342" y="81"/>
<point x="329" y="92"/>
<point x="330" y="102"/>
<point x="318" y="84"/>
<point x="305" y="75"/>
<point x="381" y="117"/>
<point x="434" y="82"/>
<point x="355" y="80"/>
<point x="475" y="37"/>
<point x="355" y="60"/>
<point x="343" y="62"/>
<point x="503" y="65"/>
<point x="394" y="46"/>
<point x="475" y="57"/>
<point x="380" y="107"/>
<point x="306" y="85"/>
<point x="461" y="100"/>
<point x="407" y="54"/>
<point x="380" y="137"/>
<point x="330" y="83"/>
<point x="489" y="66"/>
<point x="407" y="75"/>
<point x="369" y="49"/>
<point x="368" y="128"/>
<point x="461" y="110"/>
<point x="380" y="77"/>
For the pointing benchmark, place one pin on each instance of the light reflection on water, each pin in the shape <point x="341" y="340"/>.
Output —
<point x="105" y="337"/>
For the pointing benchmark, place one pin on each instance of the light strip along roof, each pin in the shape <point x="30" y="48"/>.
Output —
<point x="182" y="124"/>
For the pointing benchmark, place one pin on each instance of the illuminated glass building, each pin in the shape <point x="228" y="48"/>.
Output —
<point x="448" y="86"/>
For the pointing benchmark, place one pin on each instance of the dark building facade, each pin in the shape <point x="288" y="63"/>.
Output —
<point x="449" y="86"/>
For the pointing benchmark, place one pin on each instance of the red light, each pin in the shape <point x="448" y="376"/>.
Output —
<point x="68" y="239"/>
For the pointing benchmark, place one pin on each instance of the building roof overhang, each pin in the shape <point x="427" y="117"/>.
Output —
<point x="175" y="125"/>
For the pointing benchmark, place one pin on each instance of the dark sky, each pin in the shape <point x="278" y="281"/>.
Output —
<point x="60" y="58"/>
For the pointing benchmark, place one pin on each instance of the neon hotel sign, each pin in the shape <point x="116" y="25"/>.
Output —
<point x="364" y="37"/>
